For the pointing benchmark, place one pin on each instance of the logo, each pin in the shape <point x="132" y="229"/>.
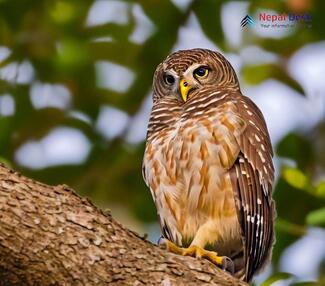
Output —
<point x="247" y="20"/>
<point x="275" y="21"/>
<point x="285" y="20"/>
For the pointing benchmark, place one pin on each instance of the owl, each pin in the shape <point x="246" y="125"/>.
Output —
<point x="208" y="164"/>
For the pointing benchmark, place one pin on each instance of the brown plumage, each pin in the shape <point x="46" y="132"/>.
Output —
<point x="208" y="163"/>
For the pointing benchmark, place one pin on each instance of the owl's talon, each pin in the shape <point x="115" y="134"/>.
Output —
<point x="162" y="242"/>
<point x="198" y="252"/>
<point x="228" y="265"/>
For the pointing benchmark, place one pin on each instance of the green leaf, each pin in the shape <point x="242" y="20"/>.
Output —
<point x="299" y="180"/>
<point x="208" y="13"/>
<point x="316" y="217"/>
<point x="276" y="277"/>
<point x="293" y="206"/>
<point x="297" y="148"/>
<point x="296" y="178"/>
<point x="63" y="12"/>
<point x="320" y="190"/>
<point x="255" y="74"/>
<point x="290" y="228"/>
<point x="71" y="54"/>
<point x="306" y="284"/>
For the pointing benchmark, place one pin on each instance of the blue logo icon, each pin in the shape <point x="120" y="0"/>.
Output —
<point x="247" y="20"/>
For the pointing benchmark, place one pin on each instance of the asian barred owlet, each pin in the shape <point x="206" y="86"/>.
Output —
<point x="208" y="164"/>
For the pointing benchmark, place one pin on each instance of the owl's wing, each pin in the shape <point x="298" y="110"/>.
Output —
<point x="252" y="177"/>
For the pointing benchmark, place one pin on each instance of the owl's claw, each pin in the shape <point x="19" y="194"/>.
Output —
<point x="228" y="265"/>
<point x="223" y="262"/>
<point x="161" y="241"/>
<point x="200" y="252"/>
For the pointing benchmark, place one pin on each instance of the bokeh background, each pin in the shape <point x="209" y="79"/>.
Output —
<point x="75" y="96"/>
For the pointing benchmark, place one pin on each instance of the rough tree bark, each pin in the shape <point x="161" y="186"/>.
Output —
<point x="51" y="236"/>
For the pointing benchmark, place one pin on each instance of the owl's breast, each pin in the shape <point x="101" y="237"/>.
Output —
<point x="186" y="166"/>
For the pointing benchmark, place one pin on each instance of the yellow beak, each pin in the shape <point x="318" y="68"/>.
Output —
<point x="184" y="87"/>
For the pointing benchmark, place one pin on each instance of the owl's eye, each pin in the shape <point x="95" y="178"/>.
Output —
<point x="169" y="79"/>
<point x="201" y="72"/>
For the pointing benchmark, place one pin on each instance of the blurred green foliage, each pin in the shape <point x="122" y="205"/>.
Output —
<point x="54" y="37"/>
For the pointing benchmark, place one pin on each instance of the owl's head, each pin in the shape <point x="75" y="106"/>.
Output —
<point x="185" y="72"/>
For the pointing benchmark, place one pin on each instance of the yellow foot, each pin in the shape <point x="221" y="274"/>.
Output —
<point x="195" y="251"/>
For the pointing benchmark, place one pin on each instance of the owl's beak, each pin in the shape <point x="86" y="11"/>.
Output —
<point x="184" y="87"/>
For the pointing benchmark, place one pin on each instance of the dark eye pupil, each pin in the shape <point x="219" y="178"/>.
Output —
<point x="169" y="79"/>
<point x="200" y="71"/>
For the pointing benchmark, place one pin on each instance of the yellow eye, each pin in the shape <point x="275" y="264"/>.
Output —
<point x="201" y="72"/>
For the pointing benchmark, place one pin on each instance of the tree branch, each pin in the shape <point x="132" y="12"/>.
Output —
<point x="51" y="236"/>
